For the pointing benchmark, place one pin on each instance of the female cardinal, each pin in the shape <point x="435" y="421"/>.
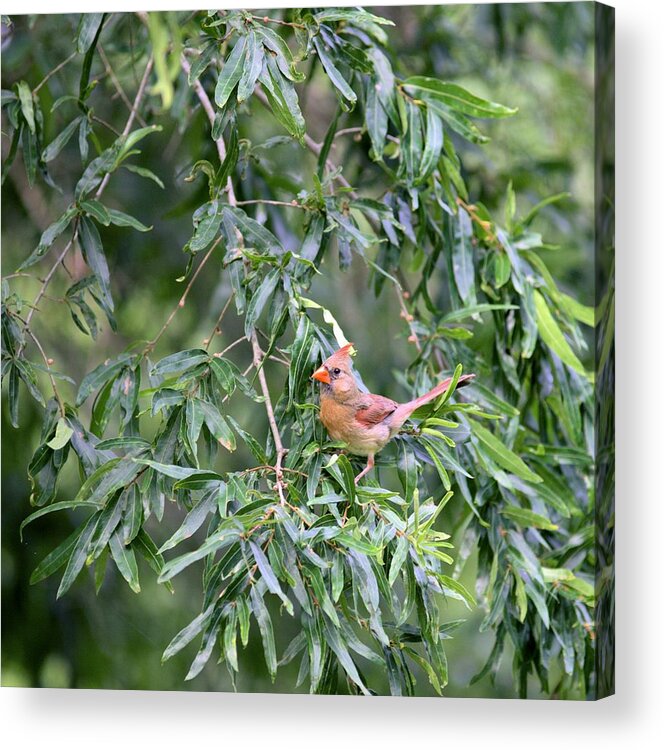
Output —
<point x="364" y="421"/>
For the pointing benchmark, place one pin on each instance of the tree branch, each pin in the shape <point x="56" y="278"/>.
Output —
<point x="276" y="436"/>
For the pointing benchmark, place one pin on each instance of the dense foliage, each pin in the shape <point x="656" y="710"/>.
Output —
<point x="365" y="571"/>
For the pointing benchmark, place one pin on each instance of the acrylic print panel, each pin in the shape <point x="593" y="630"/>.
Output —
<point x="201" y="211"/>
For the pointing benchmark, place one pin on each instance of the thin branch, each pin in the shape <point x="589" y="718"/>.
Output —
<point x="54" y="71"/>
<point x="276" y="436"/>
<point x="132" y="116"/>
<point x="151" y="344"/>
<point x="217" y="330"/>
<point x="287" y="204"/>
<point x="407" y="316"/>
<point x="117" y="84"/>
<point x="48" y="362"/>
<point x="209" y="111"/>
<point x="267" y="19"/>
<point x="45" y="283"/>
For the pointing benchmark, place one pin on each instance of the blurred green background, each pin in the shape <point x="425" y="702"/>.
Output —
<point x="538" y="57"/>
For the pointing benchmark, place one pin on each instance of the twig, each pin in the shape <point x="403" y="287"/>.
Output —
<point x="209" y="111"/>
<point x="279" y="447"/>
<point x="231" y="346"/>
<point x="132" y="116"/>
<point x="45" y="283"/>
<point x="216" y="330"/>
<point x="407" y="316"/>
<point x="288" y="204"/>
<point x="267" y="19"/>
<point x="48" y="362"/>
<point x="151" y="344"/>
<point x="116" y="83"/>
<point x="54" y="71"/>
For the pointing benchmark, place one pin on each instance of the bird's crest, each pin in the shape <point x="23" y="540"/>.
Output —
<point x="340" y="357"/>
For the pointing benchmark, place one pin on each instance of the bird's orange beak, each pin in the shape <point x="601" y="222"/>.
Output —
<point x="322" y="375"/>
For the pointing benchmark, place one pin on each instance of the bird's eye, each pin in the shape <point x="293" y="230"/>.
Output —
<point x="336" y="371"/>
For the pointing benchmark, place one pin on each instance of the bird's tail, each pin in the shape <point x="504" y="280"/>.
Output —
<point x="404" y="411"/>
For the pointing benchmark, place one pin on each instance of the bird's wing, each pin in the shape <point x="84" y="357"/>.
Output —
<point x="374" y="409"/>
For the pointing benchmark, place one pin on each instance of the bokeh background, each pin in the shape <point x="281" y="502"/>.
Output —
<point x="538" y="57"/>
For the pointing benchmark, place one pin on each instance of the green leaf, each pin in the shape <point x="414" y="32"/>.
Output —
<point x="143" y="172"/>
<point x="27" y="105"/>
<point x="62" y="434"/>
<point x="265" y="626"/>
<point x="375" y="117"/>
<point x="87" y="30"/>
<point x="78" y="556"/>
<point x="192" y="521"/>
<point x="456" y="97"/>
<point x="432" y="146"/>
<point x="259" y="299"/>
<point x="125" y="559"/>
<point x="338" y="81"/>
<point x="144" y="544"/>
<point x="56" y="558"/>
<point x="61" y="140"/>
<point x="335" y="642"/>
<point x="209" y="221"/>
<point x="97" y="210"/>
<point x="50" y="234"/>
<point x="525" y="517"/>
<point x="188" y="633"/>
<point x="230" y="73"/>
<point x="217" y="425"/>
<point x="121" y="219"/>
<point x="252" y="67"/>
<point x="101" y="374"/>
<point x="54" y="508"/>
<point x="553" y="337"/>
<point x="185" y="360"/>
<point x="502" y="455"/>
<point x="269" y="576"/>
<point x="93" y="253"/>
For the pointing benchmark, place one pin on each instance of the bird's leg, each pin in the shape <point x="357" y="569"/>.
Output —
<point x="366" y="469"/>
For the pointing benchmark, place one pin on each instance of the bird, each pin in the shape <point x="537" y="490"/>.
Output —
<point x="365" y="422"/>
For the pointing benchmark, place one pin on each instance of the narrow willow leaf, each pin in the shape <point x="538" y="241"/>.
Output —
<point x="121" y="219"/>
<point x="503" y="456"/>
<point x="265" y="626"/>
<point x="526" y="517"/>
<point x="49" y="235"/>
<point x="188" y="633"/>
<point x="252" y="67"/>
<point x="179" y="361"/>
<point x="269" y="576"/>
<point x="54" y="508"/>
<point x="61" y="140"/>
<point x="144" y="544"/>
<point x="456" y="97"/>
<point x="338" y="81"/>
<point x="102" y="374"/>
<point x="230" y="73"/>
<point x="27" y="105"/>
<point x="217" y="425"/>
<point x="340" y="650"/>
<point x="125" y="559"/>
<point x="93" y="253"/>
<point x="432" y="146"/>
<point x="553" y="337"/>
<point x="78" y="556"/>
<point x="56" y="558"/>
<point x="192" y="521"/>
<point x="259" y="299"/>
<point x="375" y="117"/>
<point x="209" y="222"/>
<point x="87" y="30"/>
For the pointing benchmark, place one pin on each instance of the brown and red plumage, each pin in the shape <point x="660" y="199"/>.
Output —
<point x="365" y="422"/>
